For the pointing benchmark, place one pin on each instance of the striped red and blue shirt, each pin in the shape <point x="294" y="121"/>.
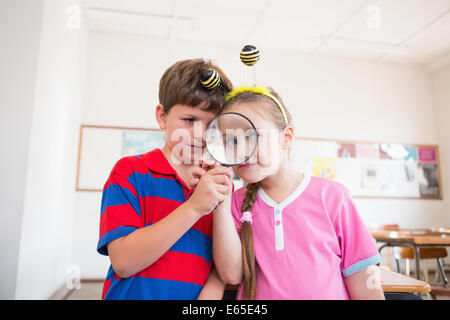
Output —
<point x="140" y="191"/>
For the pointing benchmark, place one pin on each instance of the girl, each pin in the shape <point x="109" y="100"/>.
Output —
<point x="289" y="235"/>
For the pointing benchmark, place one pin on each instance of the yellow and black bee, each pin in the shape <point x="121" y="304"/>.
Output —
<point x="250" y="55"/>
<point x="210" y="78"/>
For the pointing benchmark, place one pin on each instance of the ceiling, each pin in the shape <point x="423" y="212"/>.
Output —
<point x="400" y="31"/>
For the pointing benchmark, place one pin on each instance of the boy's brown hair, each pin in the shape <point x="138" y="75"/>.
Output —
<point x="180" y="84"/>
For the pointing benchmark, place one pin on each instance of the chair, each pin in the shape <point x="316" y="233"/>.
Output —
<point x="438" y="253"/>
<point x="439" y="289"/>
<point x="392" y="227"/>
<point x="388" y="227"/>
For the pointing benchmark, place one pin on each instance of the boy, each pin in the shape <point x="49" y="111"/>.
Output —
<point x="155" y="228"/>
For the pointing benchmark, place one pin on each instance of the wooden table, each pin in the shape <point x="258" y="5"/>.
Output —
<point x="415" y="231"/>
<point x="390" y="282"/>
<point x="430" y="231"/>
<point x="395" y="282"/>
<point x="439" y="231"/>
<point x="414" y="239"/>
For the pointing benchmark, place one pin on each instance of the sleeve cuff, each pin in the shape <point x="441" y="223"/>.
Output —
<point x="361" y="265"/>
<point x="112" y="235"/>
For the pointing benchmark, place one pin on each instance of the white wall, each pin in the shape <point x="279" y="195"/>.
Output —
<point x="45" y="245"/>
<point x="441" y="95"/>
<point x="18" y="65"/>
<point x="328" y="97"/>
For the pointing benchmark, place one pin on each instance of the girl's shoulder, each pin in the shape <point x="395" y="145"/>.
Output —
<point x="327" y="187"/>
<point x="241" y="190"/>
<point x="332" y="195"/>
<point x="239" y="194"/>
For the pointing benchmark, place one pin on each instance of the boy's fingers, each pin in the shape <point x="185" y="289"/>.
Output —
<point x="222" y="179"/>
<point x="222" y="171"/>
<point x="198" y="172"/>
<point x="221" y="197"/>
<point x="223" y="189"/>
<point x="195" y="182"/>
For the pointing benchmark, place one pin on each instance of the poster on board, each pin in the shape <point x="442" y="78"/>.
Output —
<point x="370" y="169"/>
<point x="136" y="142"/>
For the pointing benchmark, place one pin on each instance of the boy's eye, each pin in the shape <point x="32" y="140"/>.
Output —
<point x="189" y="120"/>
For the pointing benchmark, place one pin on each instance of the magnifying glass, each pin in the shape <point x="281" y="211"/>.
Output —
<point x="231" y="139"/>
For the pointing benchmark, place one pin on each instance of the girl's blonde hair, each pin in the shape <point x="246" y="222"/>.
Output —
<point x="268" y="109"/>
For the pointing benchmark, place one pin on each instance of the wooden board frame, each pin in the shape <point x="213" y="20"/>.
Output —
<point x="80" y="147"/>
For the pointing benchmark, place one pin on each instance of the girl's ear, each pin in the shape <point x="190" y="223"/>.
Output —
<point x="288" y="137"/>
<point x="161" y="116"/>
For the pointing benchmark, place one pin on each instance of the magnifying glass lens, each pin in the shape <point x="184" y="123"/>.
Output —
<point x="231" y="139"/>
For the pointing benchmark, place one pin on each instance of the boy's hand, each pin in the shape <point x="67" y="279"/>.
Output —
<point x="219" y="170"/>
<point x="212" y="188"/>
<point x="196" y="173"/>
<point x="211" y="164"/>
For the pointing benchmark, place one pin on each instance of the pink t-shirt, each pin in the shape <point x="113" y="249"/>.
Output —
<point x="306" y="245"/>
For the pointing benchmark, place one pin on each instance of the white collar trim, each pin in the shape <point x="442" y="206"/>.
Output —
<point x="290" y="198"/>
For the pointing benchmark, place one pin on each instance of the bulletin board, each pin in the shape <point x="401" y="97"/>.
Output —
<point x="368" y="169"/>
<point x="372" y="169"/>
<point x="100" y="147"/>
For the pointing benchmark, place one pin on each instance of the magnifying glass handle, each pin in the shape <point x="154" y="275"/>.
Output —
<point x="207" y="157"/>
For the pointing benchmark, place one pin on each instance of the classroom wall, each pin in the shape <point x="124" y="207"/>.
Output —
<point x="45" y="234"/>
<point x="18" y="63"/>
<point x="441" y="96"/>
<point x="328" y="97"/>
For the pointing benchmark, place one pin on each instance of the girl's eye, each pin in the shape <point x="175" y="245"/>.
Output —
<point x="189" y="120"/>
<point x="232" y="141"/>
<point x="253" y="137"/>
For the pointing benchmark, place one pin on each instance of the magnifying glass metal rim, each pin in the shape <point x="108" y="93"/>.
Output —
<point x="254" y="128"/>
